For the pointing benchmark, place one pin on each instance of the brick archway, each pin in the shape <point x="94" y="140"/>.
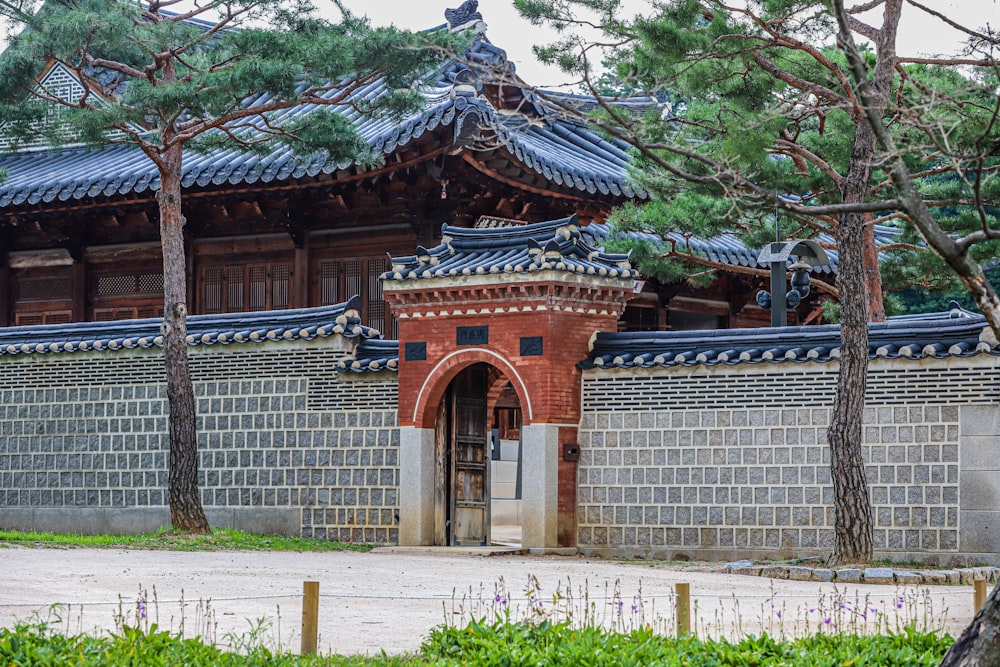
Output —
<point x="525" y="300"/>
<point x="437" y="380"/>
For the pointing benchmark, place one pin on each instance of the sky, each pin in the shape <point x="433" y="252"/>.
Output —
<point x="919" y="35"/>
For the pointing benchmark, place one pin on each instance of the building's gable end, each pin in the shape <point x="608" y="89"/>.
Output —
<point x="58" y="81"/>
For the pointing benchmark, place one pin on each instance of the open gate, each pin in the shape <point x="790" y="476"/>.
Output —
<point x="469" y="458"/>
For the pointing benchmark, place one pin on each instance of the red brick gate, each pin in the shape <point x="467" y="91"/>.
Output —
<point x="531" y="318"/>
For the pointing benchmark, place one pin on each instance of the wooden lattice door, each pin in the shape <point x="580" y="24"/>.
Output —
<point x="470" y="459"/>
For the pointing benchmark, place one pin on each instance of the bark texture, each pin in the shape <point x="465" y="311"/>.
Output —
<point x="851" y="503"/>
<point x="979" y="645"/>
<point x="873" y="277"/>
<point x="954" y="251"/>
<point x="186" y="512"/>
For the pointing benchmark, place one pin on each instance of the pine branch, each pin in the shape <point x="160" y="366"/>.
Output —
<point x="991" y="39"/>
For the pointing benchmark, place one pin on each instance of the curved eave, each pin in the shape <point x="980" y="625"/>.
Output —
<point x="569" y="155"/>
<point x="511" y="263"/>
<point x="556" y="246"/>
<point x="372" y="356"/>
<point x="728" y="249"/>
<point x="79" y="173"/>
<point x="566" y="154"/>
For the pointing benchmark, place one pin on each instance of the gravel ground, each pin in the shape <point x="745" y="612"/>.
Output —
<point x="391" y="598"/>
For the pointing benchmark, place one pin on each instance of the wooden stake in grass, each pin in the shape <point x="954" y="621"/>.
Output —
<point x="978" y="595"/>
<point x="310" y="616"/>
<point x="683" y="592"/>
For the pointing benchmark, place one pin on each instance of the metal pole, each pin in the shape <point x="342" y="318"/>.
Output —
<point x="779" y="286"/>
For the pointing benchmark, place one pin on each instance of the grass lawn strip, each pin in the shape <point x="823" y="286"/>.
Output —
<point x="221" y="539"/>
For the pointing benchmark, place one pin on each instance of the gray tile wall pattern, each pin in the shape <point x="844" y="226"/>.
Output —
<point x="278" y="429"/>
<point x="735" y="461"/>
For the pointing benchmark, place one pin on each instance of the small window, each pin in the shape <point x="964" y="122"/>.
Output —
<point x="46" y="317"/>
<point x="126" y="293"/>
<point x="42" y="288"/>
<point x="42" y="296"/>
<point x="127" y="313"/>
<point x="238" y="288"/>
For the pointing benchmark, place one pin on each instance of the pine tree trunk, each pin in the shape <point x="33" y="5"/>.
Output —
<point x="873" y="277"/>
<point x="186" y="512"/>
<point x="853" y="527"/>
<point x="852" y="507"/>
<point x="979" y="645"/>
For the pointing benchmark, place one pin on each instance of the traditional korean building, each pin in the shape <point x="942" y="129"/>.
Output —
<point x="79" y="225"/>
<point x="345" y="395"/>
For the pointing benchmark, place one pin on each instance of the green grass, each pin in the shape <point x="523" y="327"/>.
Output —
<point x="501" y="643"/>
<point x="545" y="644"/>
<point x="223" y="539"/>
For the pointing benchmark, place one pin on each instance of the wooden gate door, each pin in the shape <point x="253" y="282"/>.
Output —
<point x="470" y="459"/>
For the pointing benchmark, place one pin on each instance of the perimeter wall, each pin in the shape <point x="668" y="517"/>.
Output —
<point x="726" y="462"/>
<point x="287" y="444"/>
<point x="717" y="462"/>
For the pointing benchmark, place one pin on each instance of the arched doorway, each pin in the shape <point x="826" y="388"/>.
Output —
<point x="532" y="316"/>
<point x="476" y="463"/>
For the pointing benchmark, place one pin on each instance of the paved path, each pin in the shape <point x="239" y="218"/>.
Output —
<point x="390" y="598"/>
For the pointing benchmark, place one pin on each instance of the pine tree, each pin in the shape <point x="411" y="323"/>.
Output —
<point x="766" y="117"/>
<point x="212" y="75"/>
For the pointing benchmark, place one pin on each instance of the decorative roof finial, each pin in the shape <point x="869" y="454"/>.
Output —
<point x="465" y="16"/>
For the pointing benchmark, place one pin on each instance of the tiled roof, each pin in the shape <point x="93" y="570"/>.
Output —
<point x="277" y="325"/>
<point x="556" y="245"/>
<point x="935" y="335"/>
<point x="563" y="151"/>
<point x="728" y="249"/>
<point x="372" y="355"/>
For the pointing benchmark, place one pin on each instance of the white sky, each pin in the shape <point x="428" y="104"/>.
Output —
<point x="919" y="35"/>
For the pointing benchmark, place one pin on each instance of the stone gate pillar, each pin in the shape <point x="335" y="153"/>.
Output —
<point x="526" y="299"/>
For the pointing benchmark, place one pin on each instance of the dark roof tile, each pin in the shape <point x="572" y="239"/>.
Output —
<point x="277" y="325"/>
<point x="563" y="151"/>
<point x="728" y="249"/>
<point x="936" y="335"/>
<point x="557" y="245"/>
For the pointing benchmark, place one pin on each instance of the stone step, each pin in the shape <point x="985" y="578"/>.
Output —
<point x="503" y="490"/>
<point x="503" y="472"/>
<point x="505" y="512"/>
<point x="508" y="450"/>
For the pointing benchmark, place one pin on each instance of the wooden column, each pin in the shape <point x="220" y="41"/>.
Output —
<point x="5" y="318"/>
<point x="193" y="303"/>
<point x="76" y="247"/>
<point x="298" y="214"/>
<point x="78" y="278"/>
<point x="300" y="275"/>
